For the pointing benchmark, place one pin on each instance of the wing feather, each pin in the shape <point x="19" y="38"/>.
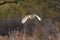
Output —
<point x="24" y="19"/>
<point x="38" y="17"/>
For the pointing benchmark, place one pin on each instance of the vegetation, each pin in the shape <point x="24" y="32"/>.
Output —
<point x="16" y="9"/>
<point x="44" y="8"/>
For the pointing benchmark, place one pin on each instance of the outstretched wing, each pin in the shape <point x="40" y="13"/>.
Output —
<point x="24" y="19"/>
<point x="38" y="17"/>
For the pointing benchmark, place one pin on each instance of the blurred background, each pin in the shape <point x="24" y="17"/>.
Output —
<point x="12" y="11"/>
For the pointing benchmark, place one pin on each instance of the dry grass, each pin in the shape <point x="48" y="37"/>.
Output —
<point x="37" y="34"/>
<point x="22" y="36"/>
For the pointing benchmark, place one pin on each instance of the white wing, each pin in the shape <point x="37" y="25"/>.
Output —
<point x="38" y="17"/>
<point x="24" y="19"/>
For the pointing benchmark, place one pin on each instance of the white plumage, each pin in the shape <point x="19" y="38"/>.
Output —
<point x="37" y="17"/>
<point x="31" y="17"/>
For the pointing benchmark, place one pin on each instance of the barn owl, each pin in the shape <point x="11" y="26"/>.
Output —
<point x="24" y="19"/>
